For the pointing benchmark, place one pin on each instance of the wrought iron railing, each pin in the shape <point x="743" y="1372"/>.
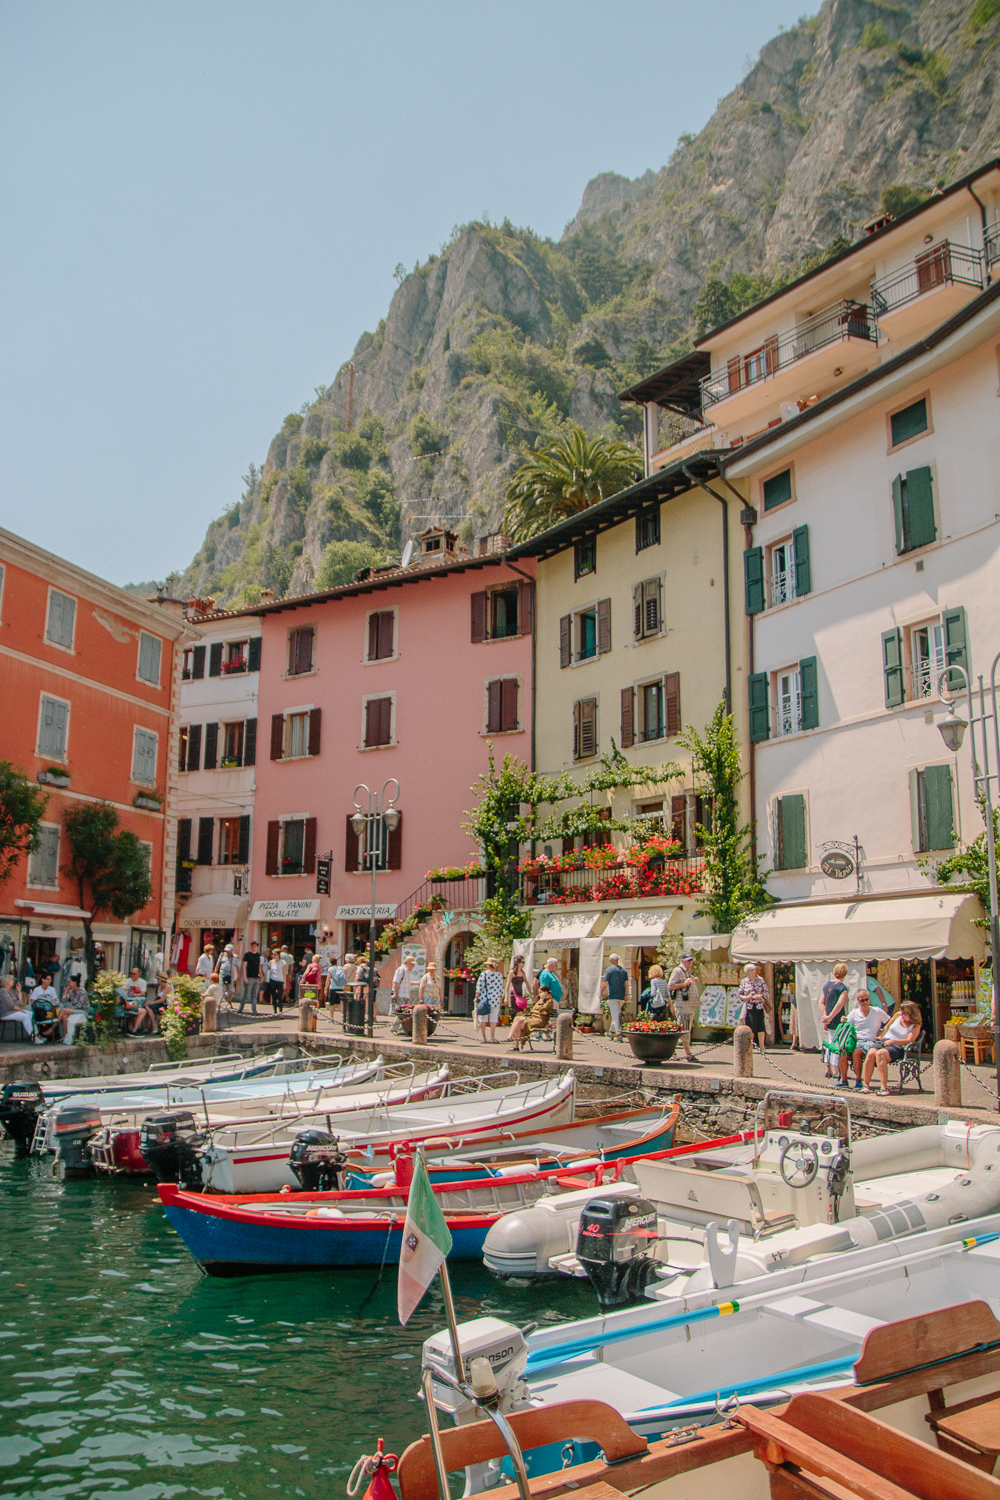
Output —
<point x="944" y="264"/>
<point x="844" y="320"/>
<point x="456" y="895"/>
<point x="672" y="877"/>
<point x="992" y="240"/>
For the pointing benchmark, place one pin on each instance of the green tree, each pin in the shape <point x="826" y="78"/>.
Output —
<point x="108" y="863"/>
<point x="343" y="561"/>
<point x="734" y="882"/>
<point x="898" y="199"/>
<point x="565" y="477"/>
<point x="968" y="868"/>
<point x="21" y="807"/>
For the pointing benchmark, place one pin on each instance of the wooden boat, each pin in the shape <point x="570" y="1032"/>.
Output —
<point x="918" y="1420"/>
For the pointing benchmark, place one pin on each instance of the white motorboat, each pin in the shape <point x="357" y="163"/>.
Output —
<point x="218" y="1069"/>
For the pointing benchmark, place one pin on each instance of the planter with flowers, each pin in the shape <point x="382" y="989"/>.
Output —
<point x="653" y="1042"/>
<point x="404" y="1016"/>
<point x="106" y="1007"/>
<point x="181" y="1016"/>
<point x="441" y="874"/>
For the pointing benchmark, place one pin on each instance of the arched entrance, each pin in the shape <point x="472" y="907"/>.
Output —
<point x="458" y="992"/>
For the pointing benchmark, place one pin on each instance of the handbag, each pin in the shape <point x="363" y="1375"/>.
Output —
<point x="845" y="1038"/>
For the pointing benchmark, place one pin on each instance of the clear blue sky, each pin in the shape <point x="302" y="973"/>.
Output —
<point x="203" y="205"/>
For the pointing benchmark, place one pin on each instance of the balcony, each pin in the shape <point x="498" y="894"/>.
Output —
<point x="993" y="246"/>
<point x="929" y="289"/>
<point x="627" y="882"/>
<point x="833" y="344"/>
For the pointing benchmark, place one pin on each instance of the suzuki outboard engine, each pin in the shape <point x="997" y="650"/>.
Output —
<point x="20" y="1106"/>
<point x="613" y="1245"/>
<point x="169" y="1145"/>
<point x="318" y="1170"/>
<point x="72" y="1128"/>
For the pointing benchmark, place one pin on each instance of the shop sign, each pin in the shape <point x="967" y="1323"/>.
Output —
<point x="363" y="913"/>
<point x="284" y="911"/>
<point x="837" y="865"/>
<point x="323" y="877"/>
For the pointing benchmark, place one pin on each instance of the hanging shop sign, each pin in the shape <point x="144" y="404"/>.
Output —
<point x="323" y="877"/>
<point x="837" y="865"/>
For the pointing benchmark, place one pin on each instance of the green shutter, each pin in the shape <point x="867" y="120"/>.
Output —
<point x="803" y="575"/>
<point x="937" y="811"/>
<point x="760" y="722"/>
<point x="915" y="811"/>
<point x="791" y="849"/>
<point x="753" y="579"/>
<point x="809" y="693"/>
<point x="909" y="422"/>
<point x="920" y="507"/>
<point x="892" y="667"/>
<point x="956" y="647"/>
<point x="897" y="510"/>
<point x="777" y="489"/>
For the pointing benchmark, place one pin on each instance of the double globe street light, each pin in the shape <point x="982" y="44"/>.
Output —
<point x="374" y="819"/>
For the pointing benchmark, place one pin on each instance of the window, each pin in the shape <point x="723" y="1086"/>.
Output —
<point x="689" y="811"/>
<point x="232" y="744"/>
<point x="908" y="423"/>
<point x="647" y="603"/>
<point x="502" y="706"/>
<point x="291" y="847"/>
<point x="913" y="510"/>
<point x="234" y="840"/>
<point x="53" y="725"/>
<point x="296" y="735"/>
<point x="43" y="863"/>
<point x="144" y="745"/>
<point x="194" y="663"/>
<point x="499" y="613"/>
<point x="300" y="651"/>
<point x="60" y="625"/>
<point x="206" y="836"/>
<point x="585" y="729"/>
<point x="378" y="722"/>
<point x="777" y="490"/>
<point x="790" y="852"/>
<point x="927" y="660"/>
<point x="150" y="653"/>
<point x="183" y="873"/>
<point x="757" y="365"/>
<point x="235" y="655"/>
<point x="659" y="710"/>
<point x="796" y="698"/>
<point x="647" y="528"/>
<point x="651" y="701"/>
<point x="651" y="815"/>
<point x="584" y="556"/>
<point x="293" y="735"/>
<point x="504" y="612"/>
<point x="586" y="634"/>
<point x="381" y="634"/>
<point x="930" y="647"/>
<point x="790" y="567"/>
<point x="932" y="811"/>
<point x="183" y="739"/>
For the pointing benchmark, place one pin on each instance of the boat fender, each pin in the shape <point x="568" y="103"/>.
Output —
<point x="376" y="1467"/>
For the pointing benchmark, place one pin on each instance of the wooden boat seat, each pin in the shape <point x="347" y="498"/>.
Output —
<point x="970" y="1430"/>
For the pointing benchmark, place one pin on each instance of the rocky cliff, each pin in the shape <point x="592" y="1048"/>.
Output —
<point x="492" y="345"/>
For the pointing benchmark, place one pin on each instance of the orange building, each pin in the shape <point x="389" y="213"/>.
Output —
<point x="90" y="681"/>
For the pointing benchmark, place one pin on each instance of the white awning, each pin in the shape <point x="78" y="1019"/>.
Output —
<point x="706" y="943"/>
<point x="47" y="909"/>
<point x="565" y="928"/>
<point x="638" y="929"/>
<point x="932" y="926"/>
<point x="285" y="911"/>
<point x="213" y="911"/>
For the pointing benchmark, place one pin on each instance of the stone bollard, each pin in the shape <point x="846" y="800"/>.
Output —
<point x="307" y="1016"/>
<point x="209" y="1015"/>
<point x="743" y="1052"/>
<point x="420" y="1025"/>
<point x="564" y="1036"/>
<point x="947" y="1074"/>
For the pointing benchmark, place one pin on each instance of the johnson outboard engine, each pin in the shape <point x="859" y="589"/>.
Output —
<point x="169" y="1145"/>
<point x="20" y="1106"/>
<point x="612" y="1245"/>
<point x="319" y="1170"/>
<point x="72" y="1128"/>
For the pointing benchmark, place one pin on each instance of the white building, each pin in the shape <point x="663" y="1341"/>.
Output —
<point x="216" y="775"/>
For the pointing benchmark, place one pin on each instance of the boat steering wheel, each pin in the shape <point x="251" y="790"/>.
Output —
<point x="798" y="1164"/>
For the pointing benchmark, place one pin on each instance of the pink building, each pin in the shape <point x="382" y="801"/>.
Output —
<point x="408" y="674"/>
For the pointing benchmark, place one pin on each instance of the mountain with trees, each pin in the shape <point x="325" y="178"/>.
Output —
<point x="501" y="343"/>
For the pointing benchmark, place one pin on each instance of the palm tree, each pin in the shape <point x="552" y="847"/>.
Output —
<point x="568" y="475"/>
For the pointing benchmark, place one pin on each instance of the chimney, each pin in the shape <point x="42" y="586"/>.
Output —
<point x="267" y="596"/>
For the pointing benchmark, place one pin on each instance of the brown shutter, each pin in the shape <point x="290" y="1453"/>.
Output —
<point x="479" y="616"/>
<point x="309" y="853"/>
<point x="315" y="718"/>
<point x="493" y="707"/>
<point x="395" y="850"/>
<point x="508" y="703"/>
<point x="628" y="717"/>
<point x="733" y="374"/>
<point x="371" y="721"/>
<point x="373" y="637"/>
<point x="194" y="747"/>
<point x="385" y="632"/>
<point x="182" y="749"/>
<point x="565" y="646"/>
<point x="525" y="594"/>
<point x="386" y="722"/>
<point x="303" y="650"/>
<point x="211" y="747"/>
<point x="352" y="851"/>
<point x="672" y="702"/>
<point x="588" y="727"/>
<point x="250" y="744"/>
<point x="273" y="837"/>
<point x="603" y="626"/>
<point x="277" y="735"/>
<point x="678" y="808"/>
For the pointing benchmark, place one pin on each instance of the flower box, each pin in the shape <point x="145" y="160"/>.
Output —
<point x="653" y="1047"/>
<point x="53" y="778"/>
<point x="404" y="1015"/>
<point x="148" y="800"/>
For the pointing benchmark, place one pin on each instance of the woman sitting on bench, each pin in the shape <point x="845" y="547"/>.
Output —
<point x="892" y="1042"/>
<point x="538" y="1018"/>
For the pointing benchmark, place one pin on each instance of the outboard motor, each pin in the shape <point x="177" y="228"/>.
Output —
<point x="72" y="1127"/>
<point x="20" y="1106"/>
<point x="612" y="1245"/>
<point x="168" y="1144"/>
<point x="318" y="1170"/>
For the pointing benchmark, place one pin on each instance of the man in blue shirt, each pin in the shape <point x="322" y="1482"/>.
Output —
<point x="615" y="991"/>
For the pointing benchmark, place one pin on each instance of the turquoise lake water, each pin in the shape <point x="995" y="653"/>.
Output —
<point x="125" y="1372"/>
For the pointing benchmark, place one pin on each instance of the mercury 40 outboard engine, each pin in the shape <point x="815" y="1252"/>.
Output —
<point x="168" y="1144"/>
<point x="20" y="1106"/>
<point x="612" y="1245"/>
<point x="318" y="1170"/>
<point x="73" y="1126"/>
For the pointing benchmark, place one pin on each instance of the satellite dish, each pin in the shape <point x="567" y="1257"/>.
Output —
<point x="408" y="552"/>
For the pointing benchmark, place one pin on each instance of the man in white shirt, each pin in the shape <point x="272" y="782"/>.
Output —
<point x="43" y="995"/>
<point x="401" y="981"/>
<point x="206" y="963"/>
<point x="867" y="1021"/>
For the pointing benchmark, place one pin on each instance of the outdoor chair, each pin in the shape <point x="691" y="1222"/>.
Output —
<point x="909" y="1064"/>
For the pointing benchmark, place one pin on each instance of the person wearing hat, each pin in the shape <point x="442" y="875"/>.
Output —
<point x="614" y="989"/>
<point x="683" y="990"/>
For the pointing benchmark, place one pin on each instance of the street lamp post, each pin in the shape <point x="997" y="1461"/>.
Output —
<point x="953" y="732"/>
<point x="374" y="818"/>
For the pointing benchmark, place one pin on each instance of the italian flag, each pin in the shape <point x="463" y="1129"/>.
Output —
<point x="426" y="1243"/>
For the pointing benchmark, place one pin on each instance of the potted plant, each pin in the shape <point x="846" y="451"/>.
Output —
<point x="181" y="1016"/>
<point x="54" y="776"/>
<point x="653" y="1042"/>
<point x="404" y="1015"/>
<point x="102" y="1029"/>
